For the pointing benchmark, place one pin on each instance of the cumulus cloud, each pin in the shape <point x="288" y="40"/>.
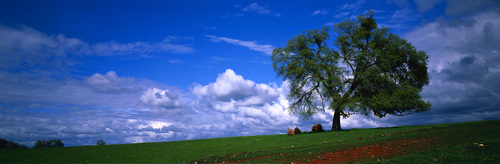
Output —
<point x="227" y="86"/>
<point x="161" y="98"/>
<point x="249" y="105"/>
<point x="111" y="83"/>
<point x="125" y="110"/>
<point x="233" y="91"/>
<point x="462" y="65"/>
<point x="266" y="48"/>
<point x="450" y="40"/>
<point x="229" y="106"/>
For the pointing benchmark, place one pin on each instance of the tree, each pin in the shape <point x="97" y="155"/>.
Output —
<point x="100" y="142"/>
<point x="48" y="143"/>
<point x="372" y="70"/>
<point x="57" y="143"/>
<point x="4" y="144"/>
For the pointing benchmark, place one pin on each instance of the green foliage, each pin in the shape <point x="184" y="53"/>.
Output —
<point x="48" y="143"/>
<point x="371" y="70"/>
<point x="4" y="144"/>
<point x="308" y="62"/>
<point x="100" y="142"/>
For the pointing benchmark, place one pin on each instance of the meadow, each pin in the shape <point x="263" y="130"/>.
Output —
<point x="468" y="142"/>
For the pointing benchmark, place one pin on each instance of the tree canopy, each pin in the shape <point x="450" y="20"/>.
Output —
<point x="48" y="143"/>
<point x="4" y="144"/>
<point x="100" y="142"/>
<point x="371" y="71"/>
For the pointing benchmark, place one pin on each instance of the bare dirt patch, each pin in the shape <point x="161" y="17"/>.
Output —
<point x="373" y="152"/>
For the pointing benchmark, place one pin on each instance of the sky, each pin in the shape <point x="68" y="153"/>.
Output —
<point x="151" y="71"/>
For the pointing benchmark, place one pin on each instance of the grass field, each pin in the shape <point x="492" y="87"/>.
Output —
<point x="470" y="142"/>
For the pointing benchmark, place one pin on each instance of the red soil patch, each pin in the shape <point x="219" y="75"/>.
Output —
<point x="372" y="152"/>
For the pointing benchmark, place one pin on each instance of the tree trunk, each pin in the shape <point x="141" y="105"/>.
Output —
<point x="336" y="121"/>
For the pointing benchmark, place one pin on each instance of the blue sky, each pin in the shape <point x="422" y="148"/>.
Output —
<point x="135" y="71"/>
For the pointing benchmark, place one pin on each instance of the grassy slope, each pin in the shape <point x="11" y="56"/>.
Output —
<point x="456" y="145"/>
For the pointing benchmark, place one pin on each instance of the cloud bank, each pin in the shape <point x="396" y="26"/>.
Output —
<point x="124" y="110"/>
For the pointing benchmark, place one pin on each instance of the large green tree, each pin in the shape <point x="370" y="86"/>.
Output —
<point x="371" y="71"/>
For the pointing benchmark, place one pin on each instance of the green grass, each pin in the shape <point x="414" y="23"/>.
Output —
<point x="471" y="142"/>
<point x="453" y="143"/>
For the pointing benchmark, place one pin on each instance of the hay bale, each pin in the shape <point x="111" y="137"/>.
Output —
<point x="294" y="131"/>
<point x="317" y="128"/>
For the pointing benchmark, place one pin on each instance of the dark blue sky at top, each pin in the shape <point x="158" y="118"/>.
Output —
<point x="132" y="21"/>
<point x="145" y="71"/>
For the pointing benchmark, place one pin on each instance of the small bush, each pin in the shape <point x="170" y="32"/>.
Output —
<point x="101" y="142"/>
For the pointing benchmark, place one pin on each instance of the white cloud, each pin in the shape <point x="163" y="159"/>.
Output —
<point x="151" y="124"/>
<point x="175" y="61"/>
<point x="28" y="48"/>
<point x="330" y="24"/>
<point x="351" y="6"/>
<point x="320" y="12"/>
<point x="401" y="19"/>
<point x="249" y="104"/>
<point x="349" y="10"/>
<point x="266" y="48"/>
<point x="449" y="41"/>
<point x="110" y="82"/>
<point x="113" y="48"/>
<point x="161" y="98"/>
<point x="35" y="90"/>
<point x="256" y="8"/>
<point x="462" y="61"/>
<point x="229" y="106"/>
<point x="348" y="6"/>
<point x="464" y="82"/>
<point x="341" y="15"/>
<point x="228" y="86"/>
<point x="220" y="58"/>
